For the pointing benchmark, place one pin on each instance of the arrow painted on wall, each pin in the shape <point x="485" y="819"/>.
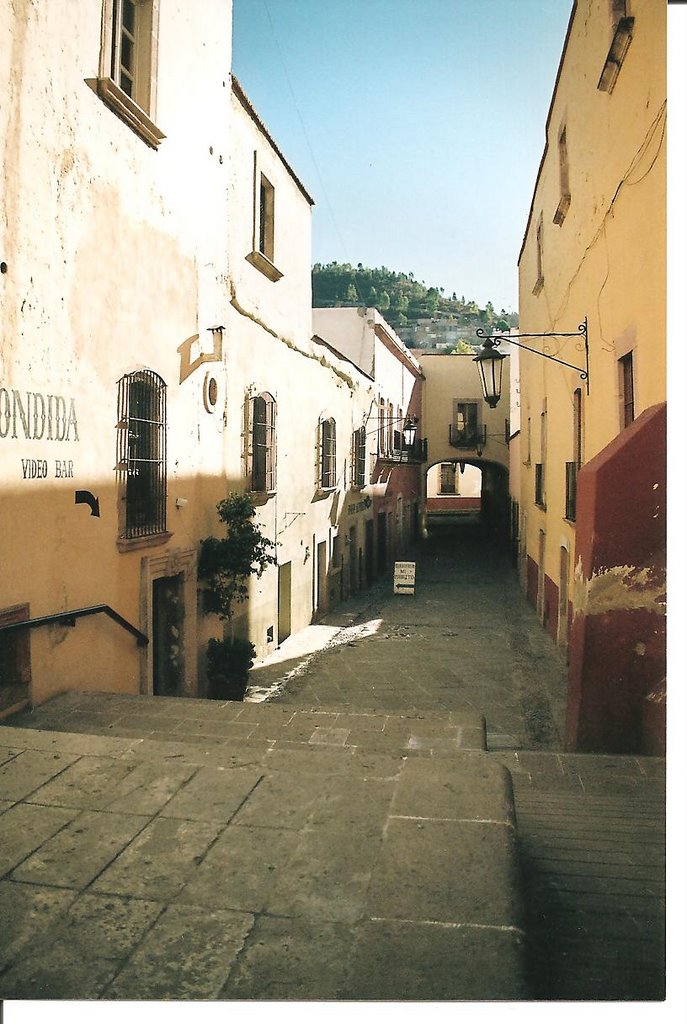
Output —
<point x="87" y="498"/>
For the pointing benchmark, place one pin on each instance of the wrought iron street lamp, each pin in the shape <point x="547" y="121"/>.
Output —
<point x="410" y="431"/>
<point x="490" y="365"/>
<point x="490" y="361"/>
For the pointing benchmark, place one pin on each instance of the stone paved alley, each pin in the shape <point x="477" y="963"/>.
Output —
<point x="466" y="640"/>
<point x="356" y="836"/>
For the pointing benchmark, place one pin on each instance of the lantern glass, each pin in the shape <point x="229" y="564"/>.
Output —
<point x="409" y="433"/>
<point x="490" y="364"/>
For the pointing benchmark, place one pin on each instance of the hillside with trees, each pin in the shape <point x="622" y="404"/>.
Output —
<point x="403" y="301"/>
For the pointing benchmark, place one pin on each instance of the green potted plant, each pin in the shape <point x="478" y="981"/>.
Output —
<point x="228" y="665"/>
<point x="225" y="565"/>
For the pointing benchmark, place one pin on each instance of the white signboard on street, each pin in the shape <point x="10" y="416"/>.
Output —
<point x="404" y="577"/>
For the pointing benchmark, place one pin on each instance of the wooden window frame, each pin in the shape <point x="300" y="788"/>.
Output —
<point x="130" y="90"/>
<point x="326" y="463"/>
<point x="262" y="438"/>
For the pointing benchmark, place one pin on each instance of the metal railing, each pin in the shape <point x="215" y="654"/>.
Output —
<point x="69" y="619"/>
<point x="467" y="437"/>
<point x="415" y="453"/>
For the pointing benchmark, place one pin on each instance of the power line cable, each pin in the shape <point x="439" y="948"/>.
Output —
<point x="305" y="133"/>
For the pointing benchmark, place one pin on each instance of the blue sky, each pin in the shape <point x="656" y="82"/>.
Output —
<point x="416" y="125"/>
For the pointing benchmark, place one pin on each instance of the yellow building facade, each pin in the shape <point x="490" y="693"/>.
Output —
<point x="590" y="538"/>
<point x="157" y="355"/>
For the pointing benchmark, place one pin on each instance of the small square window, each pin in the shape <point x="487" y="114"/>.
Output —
<point x="564" y="173"/>
<point x="539" y="255"/>
<point x="262" y="254"/>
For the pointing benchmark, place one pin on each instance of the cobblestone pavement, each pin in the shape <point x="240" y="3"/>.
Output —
<point x="467" y="640"/>
<point x="162" y="848"/>
<point x="349" y="837"/>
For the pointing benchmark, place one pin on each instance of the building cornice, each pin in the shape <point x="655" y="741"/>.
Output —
<point x="548" y="122"/>
<point x="241" y="96"/>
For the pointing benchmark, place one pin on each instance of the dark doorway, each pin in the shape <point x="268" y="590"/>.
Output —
<point x="353" y="559"/>
<point x="321" y="593"/>
<point x="168" y="636"/>
<point x="284" y="603"/>
<point x="15" y="659"/>
<point x="381" y="543"/>
<point x="369" y="552"/>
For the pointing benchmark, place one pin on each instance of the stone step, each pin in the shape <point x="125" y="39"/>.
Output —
<point x="234" y="724"/>
<point x="291" y="869"/>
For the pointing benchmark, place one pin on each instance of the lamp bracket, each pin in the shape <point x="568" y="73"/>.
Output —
<point x="581" y="332"/>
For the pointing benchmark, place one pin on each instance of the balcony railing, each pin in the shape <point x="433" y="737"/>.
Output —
<point x="414" y="454"/>
<point x="467" y="437"/>
<point x="539" y="485"/>
<point x="571" y="491"/>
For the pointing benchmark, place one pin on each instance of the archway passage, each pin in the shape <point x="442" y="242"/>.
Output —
<point x="462" y="493"/>
<point x="454" y="488"/>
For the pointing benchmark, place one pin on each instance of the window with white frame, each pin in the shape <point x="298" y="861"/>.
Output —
<point x="359" y="457"/>
<point x="262" y="442"/>
<point x="127" y="80"/>
<point x="326" y="462"/>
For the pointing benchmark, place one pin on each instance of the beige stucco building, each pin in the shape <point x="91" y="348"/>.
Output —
<point x="157" y="354"/>
<point x="394" y="428"/>
<point x="590" y="479"/>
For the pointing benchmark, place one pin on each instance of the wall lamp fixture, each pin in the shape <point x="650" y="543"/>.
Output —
<point x="490" y="361"/>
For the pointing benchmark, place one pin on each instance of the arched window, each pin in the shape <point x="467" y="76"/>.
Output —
<point x="327" y="454"/>
<point x="262" y="455"/>
<point x="142" y="451"/>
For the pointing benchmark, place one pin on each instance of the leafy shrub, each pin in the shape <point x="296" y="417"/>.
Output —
<point x="229" y="662"/>
<point x="226" y="563"/>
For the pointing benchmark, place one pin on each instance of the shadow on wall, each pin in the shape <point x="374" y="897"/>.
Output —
<point x="61" y="551"/>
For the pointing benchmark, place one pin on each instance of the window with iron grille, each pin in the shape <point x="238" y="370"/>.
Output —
<point x="539" y="485"/>
<point x="571" y="491"/>
<point x="448" y="478"/>
<point x="577" y="426"/>
<point x="466" y="429"/>
<point x="262" y="460"/>
<point x="359" y="460"/>
<point x="327" y="454"/>
<point x="142" y="451"/>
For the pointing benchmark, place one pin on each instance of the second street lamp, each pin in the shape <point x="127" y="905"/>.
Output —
<point x="490" y="365"/>
<point x="490" y="361"/>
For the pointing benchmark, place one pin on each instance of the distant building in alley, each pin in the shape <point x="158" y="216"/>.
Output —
<point x="590" y="484"/>
<point x="462" y="430"/>
<point x="394" y="427"/>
